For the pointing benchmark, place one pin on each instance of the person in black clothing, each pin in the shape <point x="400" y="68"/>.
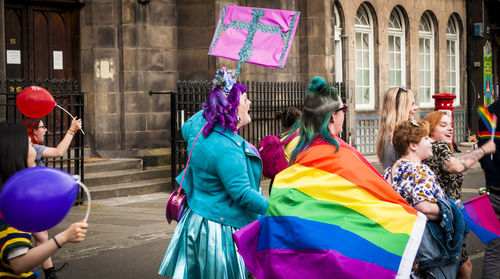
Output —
<point x="491" y="168"/>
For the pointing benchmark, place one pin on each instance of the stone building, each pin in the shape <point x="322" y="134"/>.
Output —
<point x="119" y="50"/>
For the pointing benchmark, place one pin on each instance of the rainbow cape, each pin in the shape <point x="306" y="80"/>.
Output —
<point x="331" y="215"/>
<point x="490" y="120"/>
<point x="481" y="218"/>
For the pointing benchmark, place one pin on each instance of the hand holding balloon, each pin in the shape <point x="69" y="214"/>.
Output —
<point x="74" y="233"/>
<point x="76" y="124"/>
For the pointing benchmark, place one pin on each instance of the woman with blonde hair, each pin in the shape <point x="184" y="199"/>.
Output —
<point x="398" y="106"/>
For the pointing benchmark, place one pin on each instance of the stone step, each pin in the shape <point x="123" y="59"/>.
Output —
<point x="126" y="176"/>
<point x="131" y="188"/>
<point x="105" y="165"/>
<point x="150" y="157"/>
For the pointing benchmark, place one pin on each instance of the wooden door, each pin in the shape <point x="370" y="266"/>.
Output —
<point x="42" y="40"/>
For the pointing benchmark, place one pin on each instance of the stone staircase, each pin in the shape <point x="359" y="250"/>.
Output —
<point x="120" y="177"/>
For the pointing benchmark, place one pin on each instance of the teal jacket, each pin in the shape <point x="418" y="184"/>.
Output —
<point x="222" y="181"/>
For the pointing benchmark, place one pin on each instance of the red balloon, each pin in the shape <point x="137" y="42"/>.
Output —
<point x="35" y="102"/>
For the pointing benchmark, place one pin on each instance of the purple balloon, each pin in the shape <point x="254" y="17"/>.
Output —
<point x="36" y="199"/>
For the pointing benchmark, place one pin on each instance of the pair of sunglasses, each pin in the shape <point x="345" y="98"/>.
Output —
<point x="344" y="108"/>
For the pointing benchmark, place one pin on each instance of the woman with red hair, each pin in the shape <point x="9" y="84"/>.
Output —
<point x="37" y="130"/>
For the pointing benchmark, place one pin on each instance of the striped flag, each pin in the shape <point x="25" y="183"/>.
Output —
<point x="481" y="218"/>
<point x="332" y="215"/>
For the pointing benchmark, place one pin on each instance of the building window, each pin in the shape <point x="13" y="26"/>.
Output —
<point x="426" y="61"/>
<point x="363" y="28"/>
<point x="452" y="59"/>
<point x="396" y="53"/>
<point x="338" y="46"/>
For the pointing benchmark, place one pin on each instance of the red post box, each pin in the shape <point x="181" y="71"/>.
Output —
<point x="444" y="102"/>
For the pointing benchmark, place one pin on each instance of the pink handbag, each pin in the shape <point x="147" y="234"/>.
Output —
<point x="176" y="203"/>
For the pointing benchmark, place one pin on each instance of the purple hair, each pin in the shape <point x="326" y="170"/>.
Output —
<point x="221" y="109"/>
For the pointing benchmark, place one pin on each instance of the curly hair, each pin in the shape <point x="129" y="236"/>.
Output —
<point x="222" y="108"/>
<point x="321" y="102"/>
<point x="409" y="131"/>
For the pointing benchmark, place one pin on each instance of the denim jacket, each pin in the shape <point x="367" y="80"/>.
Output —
<point x="222" y="181"/>
<point x="441" y="245"/>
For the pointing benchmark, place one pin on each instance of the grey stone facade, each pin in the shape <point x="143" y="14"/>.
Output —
<point x="129" y="47"/>
<point x="127" y="50"/>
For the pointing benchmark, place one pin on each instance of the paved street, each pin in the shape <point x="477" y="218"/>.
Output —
<point x="128" y="236"/>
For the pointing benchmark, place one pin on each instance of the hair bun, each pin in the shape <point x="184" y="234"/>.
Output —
<point x="317" y="84"/>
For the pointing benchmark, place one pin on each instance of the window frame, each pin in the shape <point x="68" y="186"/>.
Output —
<point x="365" y="30"/>
<point x="393" y="32"/>
<point x="339" y="77"/>
<point x="430" y="36"/>
<point x="453" y="37"/>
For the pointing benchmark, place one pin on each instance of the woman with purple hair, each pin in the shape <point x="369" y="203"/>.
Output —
<point x="222" y="184"/>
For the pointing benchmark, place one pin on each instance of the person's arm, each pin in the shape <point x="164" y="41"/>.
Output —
<point x="429" y="209"/>
<point x="36" y="256"/>
<point x="461" y="164"/>
<point x="62" y="147"/>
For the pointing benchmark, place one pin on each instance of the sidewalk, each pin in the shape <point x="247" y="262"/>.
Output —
<point x="130" y="221"/>
<point x="117" y="223"/>
<point x="128" y="236"/>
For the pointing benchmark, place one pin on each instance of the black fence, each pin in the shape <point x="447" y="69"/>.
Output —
<point x="68" y="95"/>
<point x="267" y="98"/>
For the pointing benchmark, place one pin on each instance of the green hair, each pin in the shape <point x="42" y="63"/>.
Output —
<point x="321" y="102"/>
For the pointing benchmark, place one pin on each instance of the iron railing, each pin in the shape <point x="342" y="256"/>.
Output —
<point x="68" y="95"/>
<point x="267" y="98"/>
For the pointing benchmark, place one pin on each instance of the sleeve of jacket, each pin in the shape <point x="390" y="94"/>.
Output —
<point x="233" y="172"/>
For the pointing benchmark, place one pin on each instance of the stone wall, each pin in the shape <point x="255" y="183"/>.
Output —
<point x="128" y="49"/>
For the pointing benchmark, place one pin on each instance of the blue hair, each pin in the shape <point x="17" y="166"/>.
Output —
<point x="321" y="102"/>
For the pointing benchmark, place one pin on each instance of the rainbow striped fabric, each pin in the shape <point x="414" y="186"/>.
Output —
<point x="481" y="218"/>
<point x="487" y="135"/>
<point x="331" y="215"/>
<point x="490" y="120"/>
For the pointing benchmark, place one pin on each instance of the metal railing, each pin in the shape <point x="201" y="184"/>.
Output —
<point x="68" y="95"/>
<point x="267" y="98"/>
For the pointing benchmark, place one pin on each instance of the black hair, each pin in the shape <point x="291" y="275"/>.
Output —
<point x="13" y="149"/>
<point x="288" y="117"/>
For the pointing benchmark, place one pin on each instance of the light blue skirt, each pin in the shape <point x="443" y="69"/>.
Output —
<point x="201" y="248"/>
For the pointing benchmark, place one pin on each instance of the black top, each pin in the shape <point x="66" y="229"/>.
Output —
<point x="491" y="167"/>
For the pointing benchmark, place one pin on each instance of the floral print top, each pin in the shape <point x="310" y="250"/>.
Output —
<point x="451" y="183"/>
<point x="415" y="182"/>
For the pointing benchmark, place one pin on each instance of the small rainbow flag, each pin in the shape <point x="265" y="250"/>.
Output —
<point x="481" y="218"/>
<point x="331" y="215"/>
<point x="490" y="120"/>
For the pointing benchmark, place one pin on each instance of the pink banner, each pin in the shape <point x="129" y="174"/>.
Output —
<point x="254" y="35"/>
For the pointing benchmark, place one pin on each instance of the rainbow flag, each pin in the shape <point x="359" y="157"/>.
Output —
<point x="490" y="120"/>
<point x="481" y="218"/>
<point x="486" y="135"/>
<point x="331" y="215"/>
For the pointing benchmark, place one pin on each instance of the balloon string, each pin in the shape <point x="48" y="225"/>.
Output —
<point x="69" y="115"/>
<point x="87" y="192"/>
